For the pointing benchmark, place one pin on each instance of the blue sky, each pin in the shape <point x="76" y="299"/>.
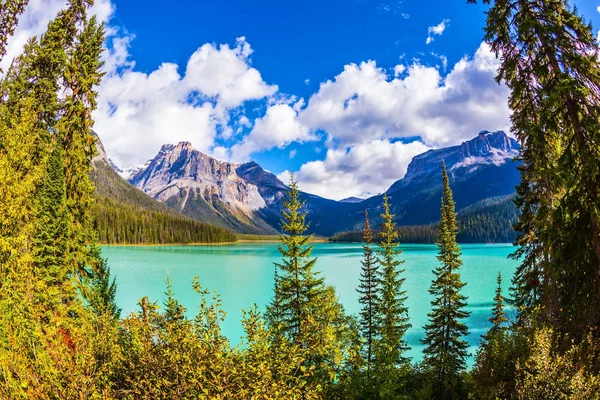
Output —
<point x="345" y="93"/>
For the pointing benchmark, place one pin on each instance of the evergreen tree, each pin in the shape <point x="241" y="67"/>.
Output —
<point x="549" y="60"/>
<point x="368" y="289"/>
<point x="392" y="315"/>
<point x="298" y="287"/>
<point x="102" y="289"/>
<point x="51" y="226"/>
<point x="445" y="348"/>
<point x="501" y="349"/>
<point x="305" y="310"/>
<point x="498" y="318"/>
<point x="10" y="10"/>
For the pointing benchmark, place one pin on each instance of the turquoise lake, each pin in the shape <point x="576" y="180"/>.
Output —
<point x="243" y="275"/>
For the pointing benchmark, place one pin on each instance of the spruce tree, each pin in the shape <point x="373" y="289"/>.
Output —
<point x="494" y="375"/>
<point x="549" y="60"/>
<point x="305" y="311"/>
<point x="368" y="289"/>
<point x="445" y="348"/>
<point x="498" y="318"/>
<point x="298" y="287"/>
<point x="392" y="314"/>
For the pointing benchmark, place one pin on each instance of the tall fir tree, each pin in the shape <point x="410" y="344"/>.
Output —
<point x="298" y="286"/>
<point x="498" y="318"/>
<point x="49" y="245"/>
<point x="305" y="310"/>
<point x="549" y="60"/>
<point x="445" y="349"/>
<point x="392" y="314"/>
<point x="369" y="288"/>
<point x="494" y="375"/>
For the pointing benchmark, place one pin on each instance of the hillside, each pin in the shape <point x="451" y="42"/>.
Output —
<point x="490" y="221"/>
<point x="125" y="215"/>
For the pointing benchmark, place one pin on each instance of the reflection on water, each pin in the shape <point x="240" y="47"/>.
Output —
<point x="243" y="275"/>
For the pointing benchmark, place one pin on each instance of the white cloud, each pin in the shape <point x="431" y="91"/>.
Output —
<point x="277" y="128"/>
<point x="363" y="103"/>
<point x="363" y="170"/>
<point x="436" y="30"/>
<point x="292" y="153"/>
<point x="398" y="70"/>
<point x="306" y="81"/>
<point x="139" y="112"/>
<point x="225" y="74"/>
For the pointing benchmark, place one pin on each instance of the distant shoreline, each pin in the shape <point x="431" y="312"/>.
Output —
<point x="315" y="240"/>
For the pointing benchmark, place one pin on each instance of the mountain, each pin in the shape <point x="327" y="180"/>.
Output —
<point x="489" y="221"/>
<point x="479" y="169"/>
<point x="248" y="199"/>
<point x="124" y="214"/>
<point x="208" y="190"/>
<point x="351" y="199"/>
<point x="242" y="197"/>
<point x="126" y="172"/>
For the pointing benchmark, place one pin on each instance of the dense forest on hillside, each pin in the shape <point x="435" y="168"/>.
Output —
<point x="118" y="223"/>
<point x="490" y="221"/>
<point x="62" y="335"/>
<point x="125" y="215"/>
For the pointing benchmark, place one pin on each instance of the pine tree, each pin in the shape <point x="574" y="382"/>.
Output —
<point x="498" y="318"/>
<point x="10" y="10"/>
<point x="494" y="374"/>
<point x="445" y="348"/>
<point x="102" y="289"/>
<point x="298" y="287"/>
<point x="549" y="60"/>
<point x="305" y="311"/>
<point x="368" y="289"/>
<point x="392" y="314"/>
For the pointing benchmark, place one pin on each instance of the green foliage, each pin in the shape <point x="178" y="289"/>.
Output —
<point x="489" y="221"/>
<point x="124" y="214"/>
<point x="502" y="348"/>
<point x="392" y="320"/>
<point x="550" y="63"/>
<point x="369" y="290"/>
<point x="304" y="310"/>
<point x="60" y="330"/>
<point x="547" y="375"/>
<point x="445" y="349"/>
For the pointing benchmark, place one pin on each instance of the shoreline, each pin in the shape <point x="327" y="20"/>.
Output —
<point x="317" y="240"/>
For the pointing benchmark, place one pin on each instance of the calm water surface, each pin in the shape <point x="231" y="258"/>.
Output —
<point x="243" y="275"/>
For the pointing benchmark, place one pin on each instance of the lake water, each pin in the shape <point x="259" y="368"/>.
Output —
<point x="243" y="275"/>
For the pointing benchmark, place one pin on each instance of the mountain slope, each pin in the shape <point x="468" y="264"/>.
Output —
<point x="248" y="199"/>
<point x="489" y="221"/>
<point x="479" y="169"/>
<point x="124" y="214"/>
<point x="245" y="197"/>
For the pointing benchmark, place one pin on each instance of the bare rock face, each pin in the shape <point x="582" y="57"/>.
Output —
<point x="487" y="148"/>
<point x="182" y="172"/>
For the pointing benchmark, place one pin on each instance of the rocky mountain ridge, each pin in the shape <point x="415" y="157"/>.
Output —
<point x="248" y="199"/>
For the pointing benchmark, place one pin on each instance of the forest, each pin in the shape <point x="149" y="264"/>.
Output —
<point x="62" y="335"/>
<point x="488" y="223"/>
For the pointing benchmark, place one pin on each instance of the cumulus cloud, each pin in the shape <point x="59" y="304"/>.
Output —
<point x="224" y="74"/>
<point x="138" y="112"/>
<point x="363" y="170"/>
<point x="363" y="110"/>
<point x="277" y="128"/>
<point x="436" y="30"/>
<point x="363" y="103"/>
